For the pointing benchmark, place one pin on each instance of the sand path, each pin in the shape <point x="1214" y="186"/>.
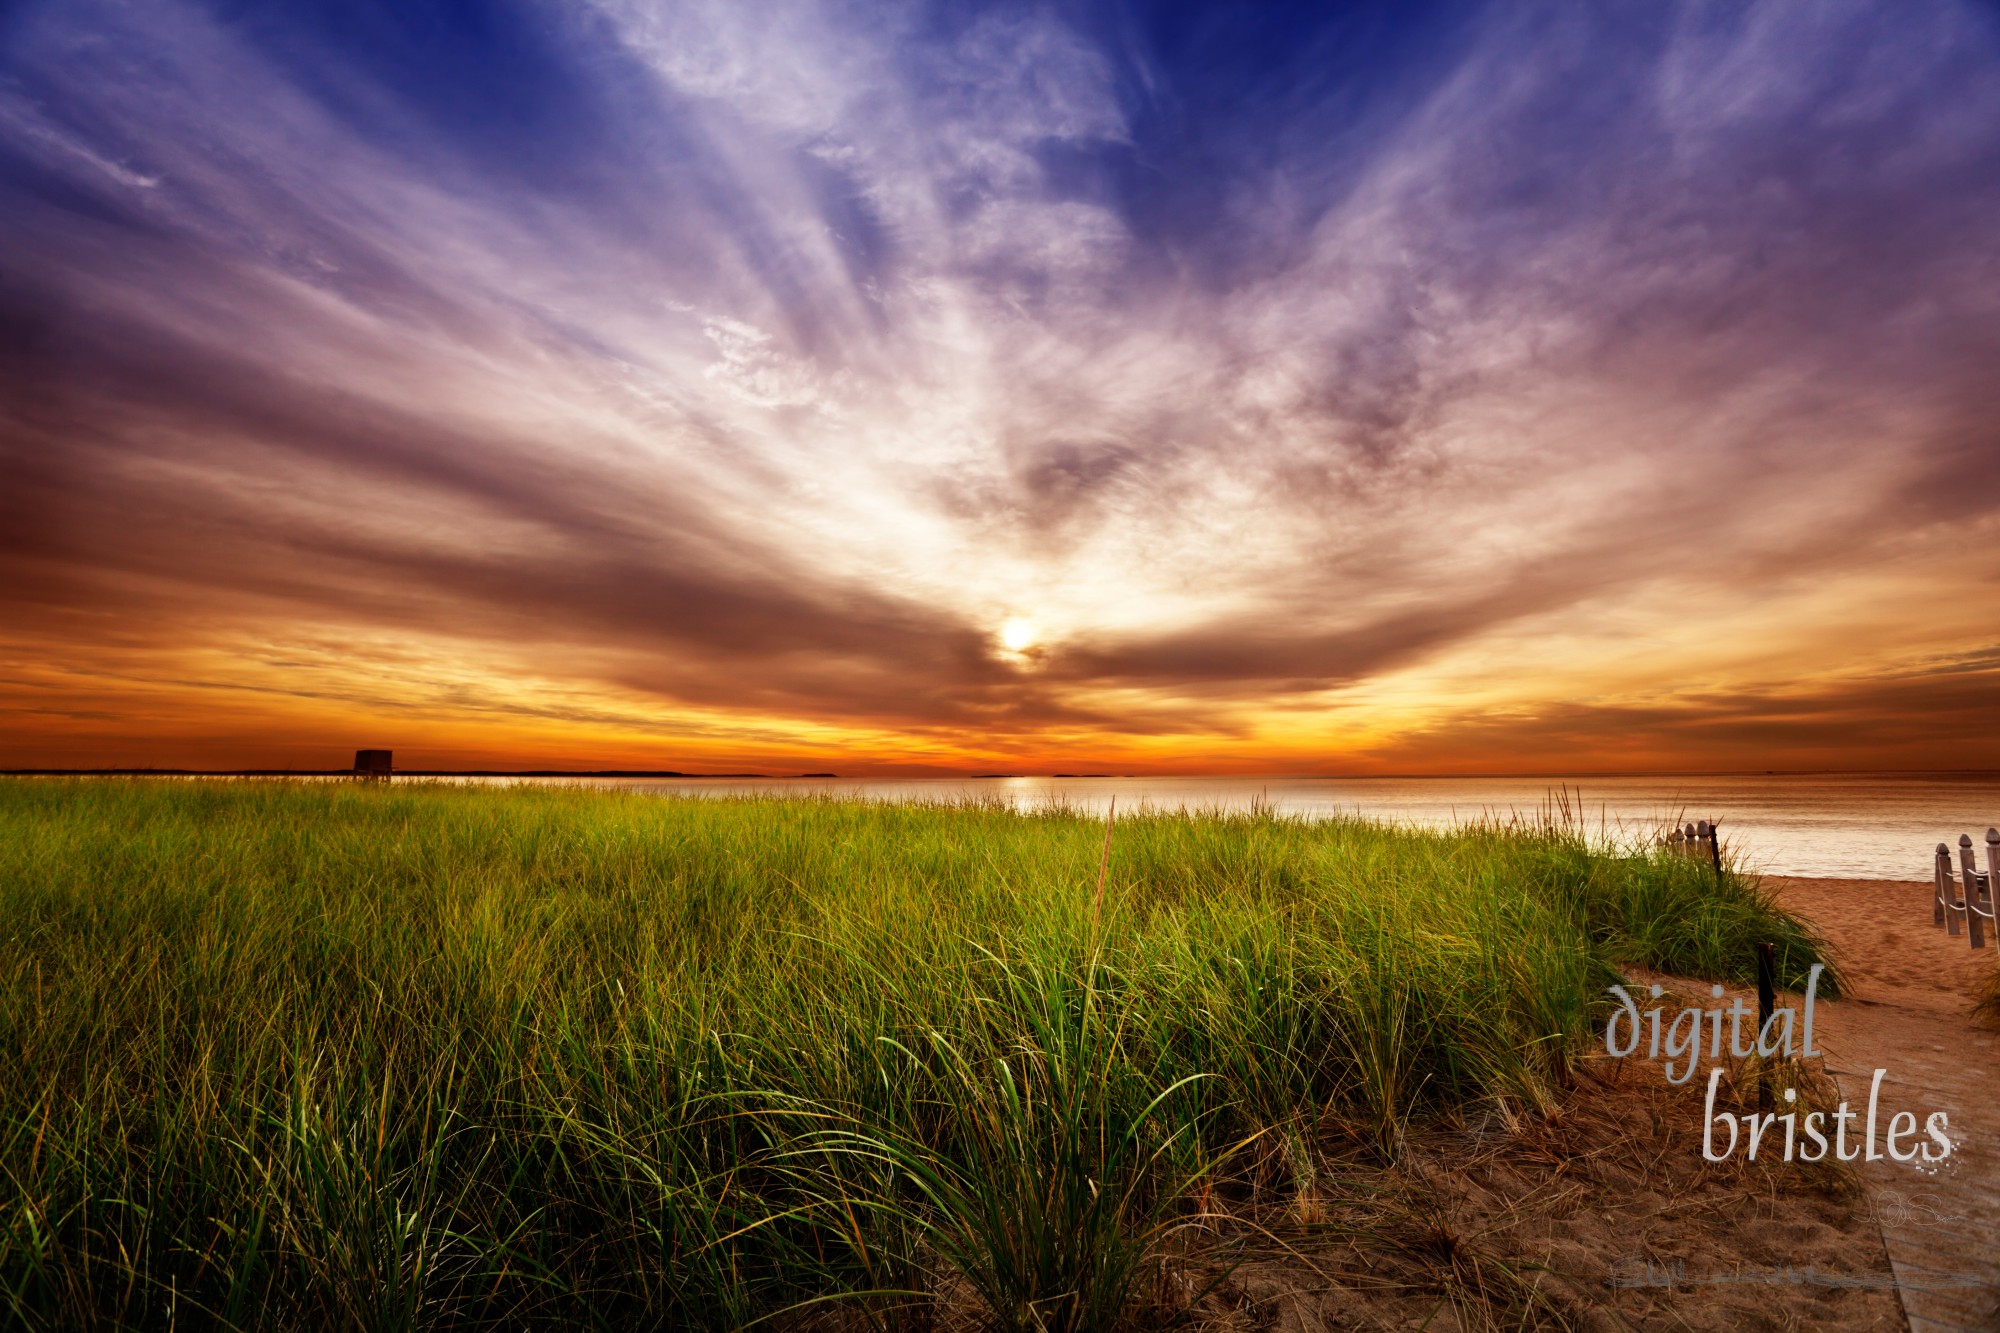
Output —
<point x="1912" y="990"/>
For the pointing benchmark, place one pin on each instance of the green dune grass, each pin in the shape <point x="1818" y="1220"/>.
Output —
<point x="420" y="1056"/>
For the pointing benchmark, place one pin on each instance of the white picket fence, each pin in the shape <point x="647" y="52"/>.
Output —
<point x="1968" y="898"/>
<point x="1697" y="842"/>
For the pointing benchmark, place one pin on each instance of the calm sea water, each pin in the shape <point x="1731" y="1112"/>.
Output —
<point x="1852" y="825"/>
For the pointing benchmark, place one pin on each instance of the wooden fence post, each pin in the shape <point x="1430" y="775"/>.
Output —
<point x="1973" y="916"/>
<point x="1969" y="872"/>
<point x="1941" y="910"/>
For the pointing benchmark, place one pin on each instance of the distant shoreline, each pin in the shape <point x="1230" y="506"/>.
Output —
<point x="399" y="773"/>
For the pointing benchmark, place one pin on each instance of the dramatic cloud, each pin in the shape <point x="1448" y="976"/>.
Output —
<point x="710" y="383"/>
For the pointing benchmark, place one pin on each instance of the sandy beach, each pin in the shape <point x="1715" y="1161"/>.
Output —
<point x="1912" y="987"/>
<point x="1882" y="933"/>
<point x="1610" y="1204"/>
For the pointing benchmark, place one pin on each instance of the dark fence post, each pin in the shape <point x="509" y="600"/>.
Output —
<point x="1941" y="872"/>
<point x="1969" y="870"/>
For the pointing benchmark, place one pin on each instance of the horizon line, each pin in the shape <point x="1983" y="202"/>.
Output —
<point x="1561" y="774"/>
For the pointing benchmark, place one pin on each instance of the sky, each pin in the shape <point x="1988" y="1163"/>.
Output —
<point x="761" y="385"/>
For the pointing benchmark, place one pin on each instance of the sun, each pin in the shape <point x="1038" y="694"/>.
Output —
<point x="1018" y="635"/>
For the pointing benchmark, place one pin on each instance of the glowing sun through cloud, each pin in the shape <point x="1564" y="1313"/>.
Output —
<point x="1018" y="635"/>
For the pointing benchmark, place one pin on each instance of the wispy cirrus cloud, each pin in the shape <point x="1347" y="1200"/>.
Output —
<point x="758" y="361"/>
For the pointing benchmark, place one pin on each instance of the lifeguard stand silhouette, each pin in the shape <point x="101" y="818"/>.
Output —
<point x="373" y="763"/>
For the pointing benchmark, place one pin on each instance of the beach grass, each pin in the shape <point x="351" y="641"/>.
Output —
<point x="1986" y="1004"/>
<point x="415" y="1055"/>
